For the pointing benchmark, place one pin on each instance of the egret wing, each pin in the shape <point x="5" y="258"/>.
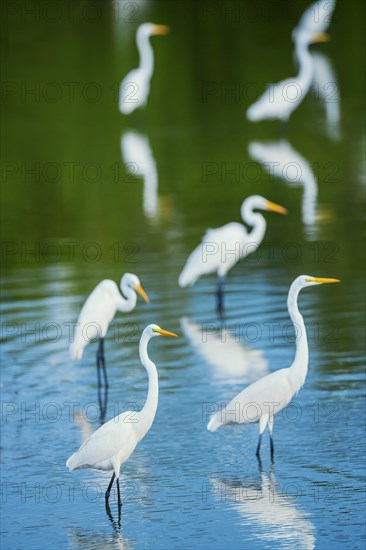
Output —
<point x="106" y="442"/>
<point x="268" y="396"/>
<point x="219" y="250"/>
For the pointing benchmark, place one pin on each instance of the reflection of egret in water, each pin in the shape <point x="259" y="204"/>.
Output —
<point x="139" y="160"/>
<point x="326" y="88"/>
<point x="86" y="426"/>
<point x="230" y="360"/>
<point x="280" y="159"/>
<point x="85" y="540"/>
<point x="271" y="510"/>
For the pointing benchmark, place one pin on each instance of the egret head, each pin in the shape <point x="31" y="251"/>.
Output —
<point x="306" y="37"/>
<point x="132" y="281"/>
<point x="260" y="203"/>
<point x="155" y="330"/>
<point x="151" y="29"/>
<point x="309" y="280"/>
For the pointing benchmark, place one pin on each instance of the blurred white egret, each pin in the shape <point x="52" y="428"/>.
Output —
<point x="99" y="310"/>
<point x="139" y="160"/>
<point x="281" y="99"/>
<point x="223" y="247"/>
<point x="114" y="442"/>
<point x="280" y="159"/>
<point x="135" y="87"/>
<point x="231" y="360"/>
<point x="316" y="18"/>
<point x="273" y="392"/>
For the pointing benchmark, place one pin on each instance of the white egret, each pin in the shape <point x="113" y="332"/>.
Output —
<point x="99" y="310"/>
<point x="223" y="247"/>
<point x="114" y="442"/>
<point x="280" y="159"/>
<point x="135" y="87"/>
<point x="281" y="99"/>
<point x="267" y="396"/>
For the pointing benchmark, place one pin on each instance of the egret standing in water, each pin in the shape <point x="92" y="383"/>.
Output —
<point x="114" y="442"/>
<point x="223" y="247"/>
<point x="135" y="87"/>
<point x="281" y="99"/>
<point x="263" y="399"/>
<point x="99" y="310"/>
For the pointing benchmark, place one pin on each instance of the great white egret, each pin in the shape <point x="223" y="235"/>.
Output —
<point x="99" y="310"/>
<point x="114" y="442"/>
<point x="267" y="396"/>
<point x="281" y="99"/>
<point x="135" y="87"/>
<point x="223" y="247"/>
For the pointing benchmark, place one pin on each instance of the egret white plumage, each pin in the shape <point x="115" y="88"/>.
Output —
<point x="267" y="396"/>
<point x="114" y="442"/>
<point x="281" y="99"/>
<point x="223" y="247"/>
<point x="316" y="18"/>
<point x="99" y="310"/>
<point x="135" y="87"/>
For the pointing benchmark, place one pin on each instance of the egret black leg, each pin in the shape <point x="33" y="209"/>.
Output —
<point x="108" y="491"/>
<point x="272" y="448"/>
<point x="102" y="361"/>
<point x="119" y="495"/>
<point x="257" y="452"/>
<point x="220" y="295"/>
<point x="98" y="368"/>
<point x="270" y="427"/>
<point x="103" y="406"/>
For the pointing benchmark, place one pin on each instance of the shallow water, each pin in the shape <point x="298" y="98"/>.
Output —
<point x="66" y="230"/>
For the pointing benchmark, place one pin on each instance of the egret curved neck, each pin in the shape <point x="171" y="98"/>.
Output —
<point x="305" y="76"/>
<point x="300" y="363"/>
<point x="148" y="411"/>
<point x="146" y="53"/>
<point x="128" y="301"/>
<point x="256" y="221"/>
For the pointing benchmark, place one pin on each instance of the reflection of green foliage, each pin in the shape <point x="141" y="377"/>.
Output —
<point x="184" y="131"/>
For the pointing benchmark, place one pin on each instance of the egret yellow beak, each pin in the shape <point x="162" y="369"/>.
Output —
<point x="165" y="332"/>
<point x="161" y="29"/>
<point x="321" y="37"/>
<point x="322" y="280"/>
<point x="142" y="293"/>
<point x="273" y="207"/>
